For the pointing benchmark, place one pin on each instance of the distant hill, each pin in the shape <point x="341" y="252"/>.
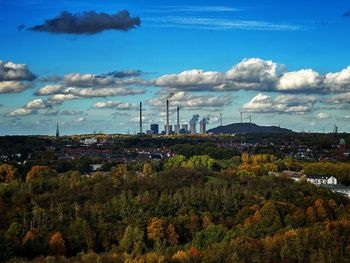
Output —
<point x="241" y="128"/>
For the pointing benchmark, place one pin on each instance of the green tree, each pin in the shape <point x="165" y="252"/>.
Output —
<point x="198" y="161"/>
<point x="175" y="162"/>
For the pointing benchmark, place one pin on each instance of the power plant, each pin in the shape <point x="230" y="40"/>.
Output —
<point x="178" y="128"/>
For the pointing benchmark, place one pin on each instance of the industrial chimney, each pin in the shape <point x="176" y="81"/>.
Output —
<point x="167" y="118"/>
<point x="177" y="129"/>
<point x="140" y="117"/>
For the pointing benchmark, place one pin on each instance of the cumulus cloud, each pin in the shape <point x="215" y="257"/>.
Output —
<point x="10" y="71"/>
<point x="302" y="80"/>
<point x="250" y="73"/>
<point x="283" y="104"/>
<point x="15" y="78"/>
<point x="110" y="79"/>
<point x="116" y="105"/>
<point x="87" y="80"/>
<point x="190" y="80"/>
<point x="343" y="98"/>
<point x="21" y="112"/>
<point x="260" y="75"/>
<point x="14" y="86"/>
<point x="32" y="107"/>
<point x="63" y="97"/>
<point x="103" y="92"/>
<point x="50" y="89"/>
<point x="88" y="23"/>
<point x="339" y="81"/>
<point x="80" y="93"/>
<point x="38" y="104"/>
<point x="190" y="101"/>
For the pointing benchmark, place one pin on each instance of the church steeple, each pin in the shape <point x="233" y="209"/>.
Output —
<point x="57" y="132"/>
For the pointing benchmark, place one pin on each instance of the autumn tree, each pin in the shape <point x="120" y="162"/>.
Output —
<point x="181" y="256"/>
<point x="147" y="168"/>
<point x="119" y="171"/>
<point x="8" y="173"/>
<point x="206" y="221"/>
<point x="155" y="231"/>
<point x="57" y="244"/>
<point x="172" y="236"/>
<point x="38" y="171"/>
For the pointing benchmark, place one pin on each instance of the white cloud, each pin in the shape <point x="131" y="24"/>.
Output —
<point x="287" y="104"/>
<point x="102" y="92"/>
<point x="111" y="80"/>
<point x="302" y="80"/>
<point x="339" y="81"/>
<point x="190" y="79"/>
<point x="32" y="107"/>
<point x="80" y="93"/>
<point x="253" y="70"/>
<point x="21" y="112"/>
<point x="186" y="100"/>
<point x="116" y="105"/>
<point x="10" y="71"/>
<point x="323" y="115"/>
<point x="343" y="98"/>
<point x="38" y="104"/>
<point x="260" y="75"/>
<point x="13" y="86"/>
<point x="50" y="89"/>
<point x="87" y="80"/>
<point x="217" y="23"/>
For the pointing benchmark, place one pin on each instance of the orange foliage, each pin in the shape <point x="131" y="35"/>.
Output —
<point x="173" y="237"/>
<point x="8" y="173"/>
<point x="38" y="171"/>
<point x="155" y="229"/>
<point x="29" y="235"/>
<point x="56" y="244"/>
<point x="181" y="256"/>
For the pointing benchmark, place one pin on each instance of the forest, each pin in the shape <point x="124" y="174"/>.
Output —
<point x="188" y="208"/>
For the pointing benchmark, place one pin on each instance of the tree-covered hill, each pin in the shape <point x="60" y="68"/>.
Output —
<point x="185" y="212"/>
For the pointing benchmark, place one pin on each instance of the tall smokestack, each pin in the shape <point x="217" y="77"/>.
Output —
<point x="140" y="117"/>
<point x="178" y="121"/>
<point x="167" y="118"/>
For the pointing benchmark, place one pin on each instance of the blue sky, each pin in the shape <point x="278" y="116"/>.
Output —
<point x="281" y="62"/>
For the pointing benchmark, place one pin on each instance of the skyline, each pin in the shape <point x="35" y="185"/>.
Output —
<point x="87" y="65"/>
